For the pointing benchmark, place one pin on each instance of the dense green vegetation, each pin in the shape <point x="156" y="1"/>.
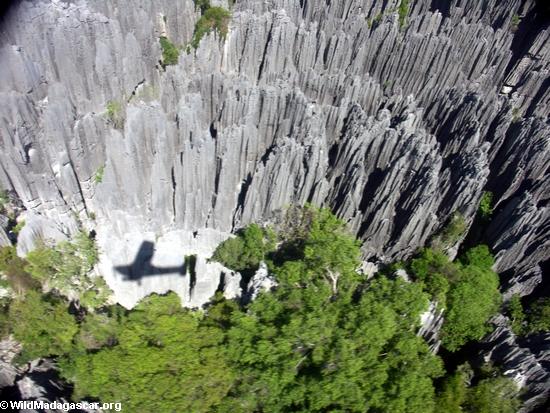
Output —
<point x="62" y="269"/>
<point x="164" y="360"/>
<point x="213" y="18"/>
<point x="13" y="269"/>
<point x="245" y="251"/>
<point x="516" y="314"/>
<point x="42" y="324"/>
<point x="533" y="320"/>
<point x="473" y="299"/>
<point x="326" y="339"/>
<point x="467" y="289"/>
<point x="65" y="267"/>
<point x="538" y="316"/>
<point x="170" y="53"/>
<point x="491" y="393"/>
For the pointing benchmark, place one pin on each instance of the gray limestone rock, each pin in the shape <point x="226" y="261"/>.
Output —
<point x="334" y="103"/>
<point x="8" y="372"/>
<point x="431" y="323"/>
<point x="260" y="281"/>
<point x="523" y="359"/>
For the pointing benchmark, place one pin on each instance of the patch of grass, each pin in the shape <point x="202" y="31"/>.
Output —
<point x="214" y="18"/>
<point x="516" y="20"/>
<point x="98" y="177"/>
<point x="403" y="11"/>
<point x="113" y="109"/>
<point x="114" y="113"/>
<point x="4" y="199"/>
<point x="515" y="115"/>
<point x="170" y="53"/>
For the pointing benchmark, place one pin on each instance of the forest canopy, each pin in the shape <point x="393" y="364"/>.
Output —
<point x="326" y="339"/>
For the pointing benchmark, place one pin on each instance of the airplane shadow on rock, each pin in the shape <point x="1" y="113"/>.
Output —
<point x="142" y="266"/>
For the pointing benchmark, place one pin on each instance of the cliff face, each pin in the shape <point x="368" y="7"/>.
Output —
<point x="394" y="126"/>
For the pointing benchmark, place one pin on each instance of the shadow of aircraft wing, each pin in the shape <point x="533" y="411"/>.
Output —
<point x="142" y="267"/>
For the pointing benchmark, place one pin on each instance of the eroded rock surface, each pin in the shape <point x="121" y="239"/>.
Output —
<point x="525" y="359"/>
<point x="393" y="126"/>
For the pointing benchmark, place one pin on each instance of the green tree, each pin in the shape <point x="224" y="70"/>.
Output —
<point x="65" y="268"/>
<point x="471" y="302"/>
<point x="468" y="289"/>
<point x="486" y="205"/>
<point x="453" y="393"/>
<point x="13" y="268"/>
<point x="214" y="18"/>
<point x="99" y="329"/>
<point x="331" y="251"/>
<point x="304" y="348"/>
<point x="246" y="250"/>
<point x="494" y="394"/>
<point x="515" y="312"/>
<point x="42" y="324"/>
<point x="539" y="316"/>
<point x="451" y="233"/>
<point x="170" y="53"/>
<point x="4" y="200"/>
<point x="479" y="257"/>
<point x="163" y="361"/>
<point x="436" y="272"/>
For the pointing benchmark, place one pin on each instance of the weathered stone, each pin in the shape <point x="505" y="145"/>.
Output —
<point x="260" y="281"/>
<point x="394" y="128"/>
<point x="523" y="359"/>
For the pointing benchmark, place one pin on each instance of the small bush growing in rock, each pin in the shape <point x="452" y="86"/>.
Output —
<point x="214" y="18"/>
<point x="114" y="113"/>
<point x="402" y="11"/>
<point x="450" y="235"/>
<point x="4" y="200"/>
<point x="539" y="316"/>
<point x="486" y="205"/>
<point x="98" y="177"/>
<point x="170" y="53"/>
